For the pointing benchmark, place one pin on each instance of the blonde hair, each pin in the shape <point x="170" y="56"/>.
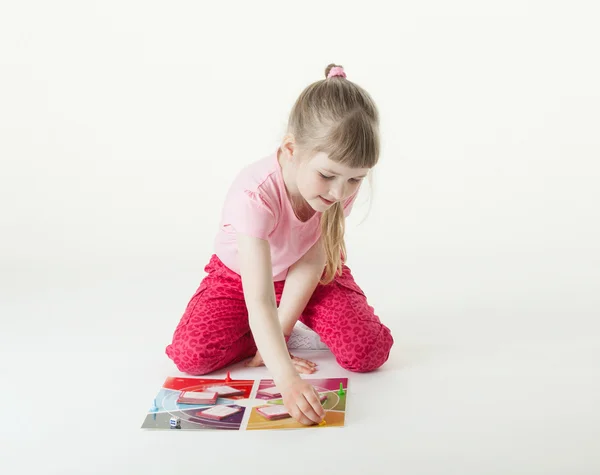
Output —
<point x="339" y="118"/>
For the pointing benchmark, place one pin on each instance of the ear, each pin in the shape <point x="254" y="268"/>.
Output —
<point x="288" y="146"/>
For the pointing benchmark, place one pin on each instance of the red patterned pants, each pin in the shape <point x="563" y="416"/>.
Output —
<point x="214" y="330"/>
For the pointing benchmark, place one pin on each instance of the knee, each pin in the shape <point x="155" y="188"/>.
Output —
<point x="192" y="361"/>
<point x="367" y="355"/>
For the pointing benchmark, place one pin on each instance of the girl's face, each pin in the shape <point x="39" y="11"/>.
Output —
<point x="322" y="182"/>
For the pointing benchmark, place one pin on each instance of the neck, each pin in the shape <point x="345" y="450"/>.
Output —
<point x="289" y="176"/>
<point x="301" y="208"/>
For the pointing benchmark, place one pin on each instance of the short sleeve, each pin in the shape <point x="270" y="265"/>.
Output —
<point x="248" y="213"/>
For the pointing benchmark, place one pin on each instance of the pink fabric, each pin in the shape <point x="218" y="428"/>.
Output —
<point x="336" y="71"/>
<point x="214" y="330"/>
<point x="257" y="204"/>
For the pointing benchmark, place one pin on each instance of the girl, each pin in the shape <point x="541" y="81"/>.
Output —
<point x="280" y="253"/>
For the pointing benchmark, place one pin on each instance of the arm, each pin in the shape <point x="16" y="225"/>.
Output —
<point x="300" y="283"/>
<point x="259" y="295"/>
<point x="299" y="397"/>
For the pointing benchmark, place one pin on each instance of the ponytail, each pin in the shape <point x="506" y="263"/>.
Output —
<point x="332" y="232"/>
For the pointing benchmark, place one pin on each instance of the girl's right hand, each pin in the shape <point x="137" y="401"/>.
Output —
<point x="302" y="402"/>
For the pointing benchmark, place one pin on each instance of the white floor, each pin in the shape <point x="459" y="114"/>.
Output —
<point x="82" y="358"/>
<point x="122" y="125"/>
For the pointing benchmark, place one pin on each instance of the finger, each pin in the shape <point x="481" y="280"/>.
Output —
<point x="302" y="368"/>
<point x="310" y="363"/>
<point x="297" y="414"/>
<point x="309" y="411"/>
<point x="301" y="418"/>
<point x="301" y="362"/>
<point x="314" y="399"/>
<point x="306" y="404"/>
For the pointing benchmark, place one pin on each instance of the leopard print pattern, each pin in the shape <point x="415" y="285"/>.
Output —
<point x="214" y="331"/>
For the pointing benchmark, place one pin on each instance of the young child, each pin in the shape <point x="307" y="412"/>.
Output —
<point x="280" y="253"/>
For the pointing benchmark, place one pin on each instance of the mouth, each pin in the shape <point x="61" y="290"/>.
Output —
<point x="326" y="201"/>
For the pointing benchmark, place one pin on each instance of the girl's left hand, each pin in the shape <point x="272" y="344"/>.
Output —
<point x="301" y="365"/>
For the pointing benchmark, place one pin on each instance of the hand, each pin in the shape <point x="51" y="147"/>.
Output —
<point x="301" y="400"/>
<point x="301" y="365"/>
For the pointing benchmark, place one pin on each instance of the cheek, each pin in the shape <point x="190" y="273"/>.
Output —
<point x="314" y="186"/>
<point x="321" y="187"/>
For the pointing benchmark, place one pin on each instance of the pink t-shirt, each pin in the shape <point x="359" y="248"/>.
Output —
<point x="257" y="204"/>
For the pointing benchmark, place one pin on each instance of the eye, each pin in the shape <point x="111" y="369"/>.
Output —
<point x="356" y="180"/>
<point x="325" y="177"/>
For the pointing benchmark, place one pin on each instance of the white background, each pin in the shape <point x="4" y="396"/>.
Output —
<point x="121" y="126"/>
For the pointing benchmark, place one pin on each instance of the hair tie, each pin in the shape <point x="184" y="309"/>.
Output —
<point x="336" y="71"/>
